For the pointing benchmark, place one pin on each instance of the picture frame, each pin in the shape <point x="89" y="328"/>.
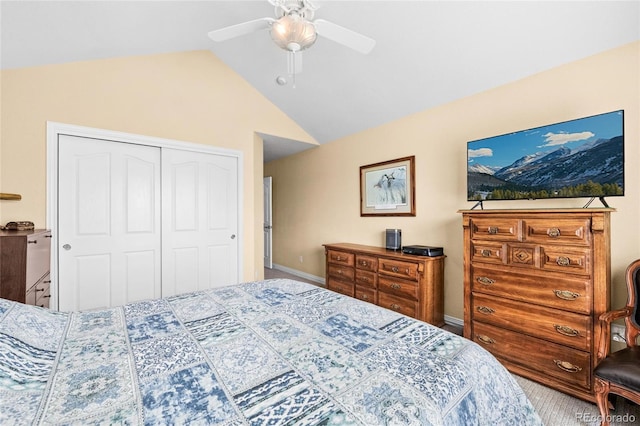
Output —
<point x="388" y="188"/>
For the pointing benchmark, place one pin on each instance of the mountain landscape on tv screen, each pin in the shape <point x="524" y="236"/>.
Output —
<point x="594" y="169"/>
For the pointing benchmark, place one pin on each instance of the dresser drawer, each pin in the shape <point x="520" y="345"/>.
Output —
<point x="366" y="278"/>
<point x="398" y="304"/>
<point x="340" y="287"/>
<point x="523" y="256"/>
<point x="38" y="256"/>
<point x="42" y="291"/>
<point x="570" y="293"/>
<point x="367" y="263"/>
<point x="565" y="259"/>
<point x="367" y="294"/>
<point x="562" y="327"/>
<point x="560" y="231"/>
<point x="398" y="268"/>
<point x="487" y="252"/>
<point x="340" y="257"/>
<point x="499" y="229"/>
<point x="341" y="272"/>
<point x="569" y="365"/>
<point x="398" y="287"/>
<point x="30" y="296"/>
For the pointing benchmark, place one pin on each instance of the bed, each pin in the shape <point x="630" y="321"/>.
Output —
<point x="272" y="352"/>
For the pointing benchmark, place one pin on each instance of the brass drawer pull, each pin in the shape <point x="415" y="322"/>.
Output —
<point x="485" y="253"/>
<point x="485" y="310"/>
<point x="493" y="230"/>
<point x="339" y="271"/>
<point x="553" y="232"/>
<point x="395" y="306"/>
<point x="363" y="262"/>
<point x="566" y="294"/>
<point x="485" y="339"/>
<point x="485" y="280"/>
<point x="566" y="331"/>
<point x="364" y="297"/>
<point x="363" y="278"/>
<point x="395" y="286"/>
<point x="338" y="258"/>
<point x="563" y="261"/>
<point x="567" y="366"/>
<point x="394" y="268"/>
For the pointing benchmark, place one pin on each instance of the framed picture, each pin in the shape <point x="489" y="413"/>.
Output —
<point x="388" y="188"/>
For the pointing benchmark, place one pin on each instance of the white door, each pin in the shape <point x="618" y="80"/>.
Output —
<point x="268" y="222"/>
<point x="108" y="223"/>
<point x="200" y="221"/>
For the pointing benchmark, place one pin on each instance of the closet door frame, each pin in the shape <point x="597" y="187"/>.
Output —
<point x="54" y="129"/>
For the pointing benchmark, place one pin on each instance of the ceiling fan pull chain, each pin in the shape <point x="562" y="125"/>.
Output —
<point x="291" y="66"/>
<point x="293" y="54"/>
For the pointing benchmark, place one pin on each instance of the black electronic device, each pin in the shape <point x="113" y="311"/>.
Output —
<point x="393" y="239"/>
<point x="423" y="250"/>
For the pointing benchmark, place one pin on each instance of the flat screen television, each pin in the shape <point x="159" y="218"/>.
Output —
<point x="571" y="159"/>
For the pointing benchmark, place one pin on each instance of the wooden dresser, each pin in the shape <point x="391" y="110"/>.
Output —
<point x="24" y="266"/>
<point x="409" y="284"/>
<point x="535" y="283"/>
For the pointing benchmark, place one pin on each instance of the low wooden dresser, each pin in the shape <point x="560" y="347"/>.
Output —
<point x="25" y="257"/>
<point x="409" y="284"/>
<point x="535" y="284"/>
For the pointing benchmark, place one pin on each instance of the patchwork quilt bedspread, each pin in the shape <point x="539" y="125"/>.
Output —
<point x="274" y="352"/>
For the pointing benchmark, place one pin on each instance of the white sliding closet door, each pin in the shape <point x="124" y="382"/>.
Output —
<point x="108" y="223"/>
<point x="199" y="221"/>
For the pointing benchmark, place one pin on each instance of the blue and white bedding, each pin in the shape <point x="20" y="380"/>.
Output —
<point x="276" y="352"/>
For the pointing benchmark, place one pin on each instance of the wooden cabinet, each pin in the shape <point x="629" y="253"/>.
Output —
<point x="24" y="266"/>
<point x="535" y="283"/>
<point x="409" y="284"/>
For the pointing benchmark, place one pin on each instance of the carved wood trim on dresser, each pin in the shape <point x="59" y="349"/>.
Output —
<point x="24" y="266"/>
<point x="535" y="283"/>
<point x="409" y="284"/>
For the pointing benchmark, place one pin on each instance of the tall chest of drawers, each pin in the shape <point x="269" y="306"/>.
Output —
<point x="24" y="266"/>
<point x="535" y="284"/>
<point x="409" y="284"/>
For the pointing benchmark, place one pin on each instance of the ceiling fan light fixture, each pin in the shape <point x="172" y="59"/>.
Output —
<point x="293" y="32"/>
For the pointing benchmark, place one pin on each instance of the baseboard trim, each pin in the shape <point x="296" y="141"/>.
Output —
<point x="306" y="276"/>
<point x="453" y="321"/>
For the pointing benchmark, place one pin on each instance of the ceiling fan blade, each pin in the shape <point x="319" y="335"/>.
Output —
<point x="344" y="36"/>
<point x="238" y="30"/>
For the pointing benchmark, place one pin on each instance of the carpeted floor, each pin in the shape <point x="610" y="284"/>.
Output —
<point x="275" y="273"/>
<point x="555" y="408"/>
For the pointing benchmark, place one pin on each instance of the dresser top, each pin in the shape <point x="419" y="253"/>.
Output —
<point x="540" y="211"/>
<point x="7" y="233"/>
<point x="380" y="251"/>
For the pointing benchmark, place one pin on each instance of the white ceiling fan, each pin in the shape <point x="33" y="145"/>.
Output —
<point x="294" y="30"/>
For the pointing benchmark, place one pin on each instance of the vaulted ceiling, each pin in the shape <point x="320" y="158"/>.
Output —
<point x="427" y="52"/>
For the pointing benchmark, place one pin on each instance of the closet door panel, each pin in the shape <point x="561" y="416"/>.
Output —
<point x="141" y="203"/>
<point x="92" y="287"/>
<point x="109" y="223"/>
<point x="200" y="210"/>
<point x="184" y="190"/>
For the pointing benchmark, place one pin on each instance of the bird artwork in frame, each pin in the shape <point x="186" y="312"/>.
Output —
<point x="388" y="188"/>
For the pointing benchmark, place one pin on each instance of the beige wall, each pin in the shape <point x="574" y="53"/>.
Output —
<point x="316" y="193"/>
<point x="190" y="96"/>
